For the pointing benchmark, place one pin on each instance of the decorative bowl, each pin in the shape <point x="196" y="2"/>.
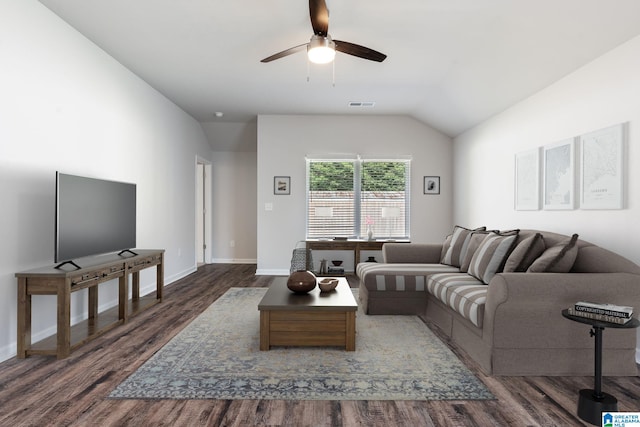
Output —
<point x="327" y="285"/>
<point x="301" y="281"/>
<point x="337" y="262"/>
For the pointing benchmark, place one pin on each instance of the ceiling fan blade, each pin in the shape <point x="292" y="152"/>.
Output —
<point x="359" y="51"/>
<point x="285" y="53"/>
<point x="319" y="17"/>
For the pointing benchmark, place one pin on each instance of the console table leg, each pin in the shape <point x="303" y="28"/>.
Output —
<point x="160" y="278"/>
<point x="63" y="334"/>
<point x="24" y="319"/>
<point x="123" y="297"/>
<point x="135" y="286"/>
<point x="93" y="303"/>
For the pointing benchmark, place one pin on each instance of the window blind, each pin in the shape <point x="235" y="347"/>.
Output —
<point x="346" y="198"/>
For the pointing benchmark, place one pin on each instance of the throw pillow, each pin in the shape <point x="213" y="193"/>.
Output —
<point x="558" y="258"/>
<point x="458" y="246"/>
<point x="525" y="253"/>
<point x="474" y="242"/>
<point x="491" y="255"/>
<point x="445" y="247"/>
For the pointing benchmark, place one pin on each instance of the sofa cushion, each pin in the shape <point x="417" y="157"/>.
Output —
<point x="491" y="255"/>
<point x="398" y="277"/>
<point x="458" y="246"/>
<point x="525" y="253"/>
<point x="461" y="292"/>
<point x="558" y="258"/>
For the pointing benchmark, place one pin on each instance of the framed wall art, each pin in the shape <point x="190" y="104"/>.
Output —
<point x="527" y="180"/>
<point x="602" y="168"/>
<point x="559" y="175"/>
<point x="431" y="185"/>
<point x="282" y="185"/>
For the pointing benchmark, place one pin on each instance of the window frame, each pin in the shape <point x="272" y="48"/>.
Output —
<point x="359" y="226"/>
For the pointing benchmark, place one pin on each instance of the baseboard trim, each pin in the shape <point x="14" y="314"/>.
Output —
<point x="233" y="261"/>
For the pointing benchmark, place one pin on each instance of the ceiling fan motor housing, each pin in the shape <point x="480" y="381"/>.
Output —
<point x="321" y="49"/>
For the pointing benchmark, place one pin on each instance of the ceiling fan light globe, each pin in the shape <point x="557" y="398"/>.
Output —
<point x="321" y="50"/>
<point x="321" y="55"/>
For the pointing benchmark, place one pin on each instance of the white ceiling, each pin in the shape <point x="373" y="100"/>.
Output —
<point x="451" y="63"/>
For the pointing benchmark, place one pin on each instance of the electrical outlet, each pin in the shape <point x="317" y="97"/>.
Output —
<point x="232" y="243"/>
<point x="179" y="251"/>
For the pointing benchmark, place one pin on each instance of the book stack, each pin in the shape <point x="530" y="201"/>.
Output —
<point x="603" y="312"/>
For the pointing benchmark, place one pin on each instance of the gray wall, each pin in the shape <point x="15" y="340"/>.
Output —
<point x="283" y="143"/>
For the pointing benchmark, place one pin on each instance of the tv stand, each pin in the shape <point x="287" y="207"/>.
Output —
<point x="54" y="281"/>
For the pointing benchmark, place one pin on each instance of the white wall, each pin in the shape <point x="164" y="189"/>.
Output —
<point x="234" y="191"/>
<point x="234" y="207"/>
<point x="66" y="105"/>
<point x="603" y="93"/>
<point x="283" y="143"/>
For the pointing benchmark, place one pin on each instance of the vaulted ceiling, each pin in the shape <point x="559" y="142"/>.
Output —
<point x="451" y="63"/>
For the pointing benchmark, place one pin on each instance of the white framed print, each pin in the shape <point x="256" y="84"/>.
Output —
<point x="602" y="168"/>
<point x="559" y="175"/>
<point x="527" y="180"/>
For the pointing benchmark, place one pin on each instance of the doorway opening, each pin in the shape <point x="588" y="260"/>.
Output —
<point x="203" y="211"/>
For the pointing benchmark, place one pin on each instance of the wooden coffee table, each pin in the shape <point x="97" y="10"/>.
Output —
<point x="313" y="319"/>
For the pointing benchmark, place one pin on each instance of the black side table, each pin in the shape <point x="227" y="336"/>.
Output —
<point x="593" y="402"/>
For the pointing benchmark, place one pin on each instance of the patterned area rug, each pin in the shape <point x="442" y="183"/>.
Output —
<point x="217" y="356"/>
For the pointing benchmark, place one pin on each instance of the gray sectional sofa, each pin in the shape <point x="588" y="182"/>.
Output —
<point x="499" y="296"/>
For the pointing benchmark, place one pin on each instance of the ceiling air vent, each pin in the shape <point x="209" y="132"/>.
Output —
<point x="362" y="104"/>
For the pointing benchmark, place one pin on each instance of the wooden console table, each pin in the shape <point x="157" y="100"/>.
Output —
<point x="349" y="245"/>
<point x="63" y="282"/>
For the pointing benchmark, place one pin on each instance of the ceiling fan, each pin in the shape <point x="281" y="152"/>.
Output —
<point x="321" y="49"/>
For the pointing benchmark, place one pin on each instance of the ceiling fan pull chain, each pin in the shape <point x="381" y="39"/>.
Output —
<point x="307" y="69"/>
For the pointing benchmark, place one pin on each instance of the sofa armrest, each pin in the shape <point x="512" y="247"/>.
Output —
<point x="408" y="253"/>
<point x="523" y="310"/>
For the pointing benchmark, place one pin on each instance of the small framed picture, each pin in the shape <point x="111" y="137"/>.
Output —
<point x="282" y="185"/>
<point x="431" y="185"/>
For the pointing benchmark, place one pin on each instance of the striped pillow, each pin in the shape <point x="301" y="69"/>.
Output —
<point x="474" y="243"/>
<point x="445" y="247"/>
<point x="458" y="246"/>
<point x="491" y="255"/>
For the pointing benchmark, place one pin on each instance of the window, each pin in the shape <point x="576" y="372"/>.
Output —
<point x="346" y="197"/>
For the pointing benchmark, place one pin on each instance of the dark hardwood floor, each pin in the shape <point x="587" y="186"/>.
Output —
<point x="43" y="391"/>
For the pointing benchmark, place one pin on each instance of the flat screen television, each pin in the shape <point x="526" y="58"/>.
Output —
<point x="93" y="216"/>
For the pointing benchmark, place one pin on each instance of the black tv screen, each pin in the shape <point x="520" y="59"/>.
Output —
<point x="93" y="216"/>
